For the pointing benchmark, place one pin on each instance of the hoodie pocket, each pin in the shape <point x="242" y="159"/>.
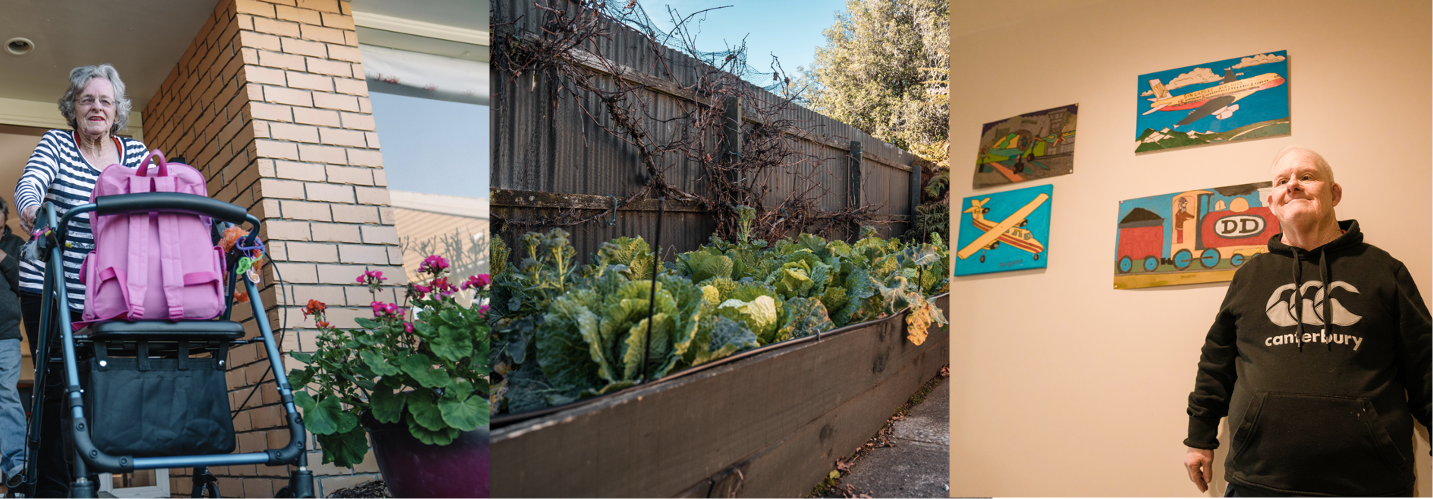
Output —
<point x="1299" y="442"/>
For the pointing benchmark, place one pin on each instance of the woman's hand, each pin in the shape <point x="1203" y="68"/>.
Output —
<point x="27" y="219"/>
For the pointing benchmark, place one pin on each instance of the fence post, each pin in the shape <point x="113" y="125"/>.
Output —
<point x="854" y="180"/>
<point x="731" y="131"/>
<point x="915" y="196"/>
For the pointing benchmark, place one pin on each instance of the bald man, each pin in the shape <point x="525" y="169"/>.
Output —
<point x="1320" y="356"/>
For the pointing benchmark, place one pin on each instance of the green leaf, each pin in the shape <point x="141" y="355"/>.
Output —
<point x="569" y="344"/>
<point x="420" y="367"/>
<point x="306" y="358"/>
<point x="635" y="253"/>
<point x="387" y="405"/>
<point x="760" y="315"/>
<point x="425" y="413"/>
<point x="366" y="323"/>
<point x="432" y="437"/>
<point x="804" y="317"/>
<point x="657" y="348"/>
<point x="304" y="401"/>
<point x="450" y="316"/>
<point x="451" y="344"/>
<point x="300" y="377"/>
<point x="722" y="339"/>
<point x="702" y="265"/>
<point x="325" y="417"/>
<point x="379" y="365"/>
<point x="344" y="449"/>
<point x="465" y="415"/>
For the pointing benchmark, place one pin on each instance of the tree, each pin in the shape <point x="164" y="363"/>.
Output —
<point x="884" y="70"/>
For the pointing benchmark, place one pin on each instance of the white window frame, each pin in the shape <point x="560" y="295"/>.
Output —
<point x="160" y="489"/>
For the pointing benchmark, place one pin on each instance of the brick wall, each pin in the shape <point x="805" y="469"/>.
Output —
<point x="270" y="102"/>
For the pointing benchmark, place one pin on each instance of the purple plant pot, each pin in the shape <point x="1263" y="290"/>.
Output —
<point x="415" y="469"/>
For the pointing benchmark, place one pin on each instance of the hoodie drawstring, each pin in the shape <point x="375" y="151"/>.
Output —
<point x="1328" y="296"/>
<point x="1297" y="302"/>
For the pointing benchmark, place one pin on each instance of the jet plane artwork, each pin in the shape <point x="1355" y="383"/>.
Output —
<point x="1217" y="100"/>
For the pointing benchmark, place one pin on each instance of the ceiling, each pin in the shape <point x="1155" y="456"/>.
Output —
<point x="144" y="39"/>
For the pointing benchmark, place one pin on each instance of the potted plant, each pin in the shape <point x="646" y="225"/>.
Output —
<point x="416" y="382"/>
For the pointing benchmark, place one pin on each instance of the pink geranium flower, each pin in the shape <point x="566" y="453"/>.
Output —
<point x="434" y="264"/>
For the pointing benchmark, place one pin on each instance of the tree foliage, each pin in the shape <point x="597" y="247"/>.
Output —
<point x="884" y="70"/>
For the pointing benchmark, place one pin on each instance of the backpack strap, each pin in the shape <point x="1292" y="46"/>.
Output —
<point x="138" y="262"/>
<point x="170" y="265"/>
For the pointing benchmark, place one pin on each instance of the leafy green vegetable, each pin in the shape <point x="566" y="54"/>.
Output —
<point x="718" y="338"/>
<point x="702" y="265"/>
<point x="759" y="314"/>
<point x="591" y="336"/>
<point x="804" y="317"/>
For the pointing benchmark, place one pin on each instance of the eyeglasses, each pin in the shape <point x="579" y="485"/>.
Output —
<point x="90" y="101"/>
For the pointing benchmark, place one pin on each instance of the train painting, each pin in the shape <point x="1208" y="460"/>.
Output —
<point x="1194" y="236"/>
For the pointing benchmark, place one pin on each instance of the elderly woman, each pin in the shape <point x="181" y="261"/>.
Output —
<point x="62" y="171"/>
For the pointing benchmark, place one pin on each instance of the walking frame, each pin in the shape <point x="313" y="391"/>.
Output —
<point x="215" y="336"/>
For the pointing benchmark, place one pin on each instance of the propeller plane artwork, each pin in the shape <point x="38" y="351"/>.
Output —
<point x="1008" y="231"/>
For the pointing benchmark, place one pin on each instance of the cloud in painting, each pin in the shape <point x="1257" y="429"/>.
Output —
<point x="1199" y="75"/>
<point x="1257" y="60"/>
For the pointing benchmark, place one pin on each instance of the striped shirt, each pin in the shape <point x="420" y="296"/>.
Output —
<point x="58" y="173"/>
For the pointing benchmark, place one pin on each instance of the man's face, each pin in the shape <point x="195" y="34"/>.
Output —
<point x="1302" y="194"/>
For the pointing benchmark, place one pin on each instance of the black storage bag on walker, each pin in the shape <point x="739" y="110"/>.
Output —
<point x="146" y="407"/>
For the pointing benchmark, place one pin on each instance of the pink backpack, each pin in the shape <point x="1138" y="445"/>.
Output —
<point x="154" y="265"/>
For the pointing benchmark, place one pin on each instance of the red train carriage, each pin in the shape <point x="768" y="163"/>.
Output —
<point x="1141" y="240"/>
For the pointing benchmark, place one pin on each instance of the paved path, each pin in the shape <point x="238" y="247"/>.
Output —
<point x="919" y="463"/>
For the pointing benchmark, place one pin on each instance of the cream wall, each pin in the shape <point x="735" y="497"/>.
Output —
<point x="1063" y="386"/>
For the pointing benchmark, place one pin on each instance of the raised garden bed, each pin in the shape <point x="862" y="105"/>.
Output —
<point x="764" y="423"/>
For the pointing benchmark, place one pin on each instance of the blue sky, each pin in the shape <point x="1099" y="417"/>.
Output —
<point x="433" y="147"/>
<point x="791" y="29"/>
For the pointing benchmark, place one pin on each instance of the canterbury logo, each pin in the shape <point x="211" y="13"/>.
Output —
<point x="1285" y="298"/>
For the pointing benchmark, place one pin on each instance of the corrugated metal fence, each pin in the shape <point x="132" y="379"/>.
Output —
<point x="551" y="157"/>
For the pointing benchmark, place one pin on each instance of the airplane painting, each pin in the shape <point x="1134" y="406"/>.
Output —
<point x="1027" y="147"/>
<point x="1004" y="231"/>
<point x="1234" y="99"/>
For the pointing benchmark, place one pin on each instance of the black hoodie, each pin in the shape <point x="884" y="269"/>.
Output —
<point x="1315" y="409"/>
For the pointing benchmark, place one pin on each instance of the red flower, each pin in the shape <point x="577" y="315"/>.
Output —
<point x="315" y="308"/>
<point x="443" y="287"/>
<point x="324" y="324"/>
<point x="479" y="281"/>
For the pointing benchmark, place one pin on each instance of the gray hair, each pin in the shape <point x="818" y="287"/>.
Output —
<point x="79" y="78"/>
<point x="1319" y="162"/>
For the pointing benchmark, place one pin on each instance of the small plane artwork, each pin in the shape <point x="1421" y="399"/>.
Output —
<point x="1008" y="231"/>
<point x="1217" y="100"/>
<point x="1023" y="147"/>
